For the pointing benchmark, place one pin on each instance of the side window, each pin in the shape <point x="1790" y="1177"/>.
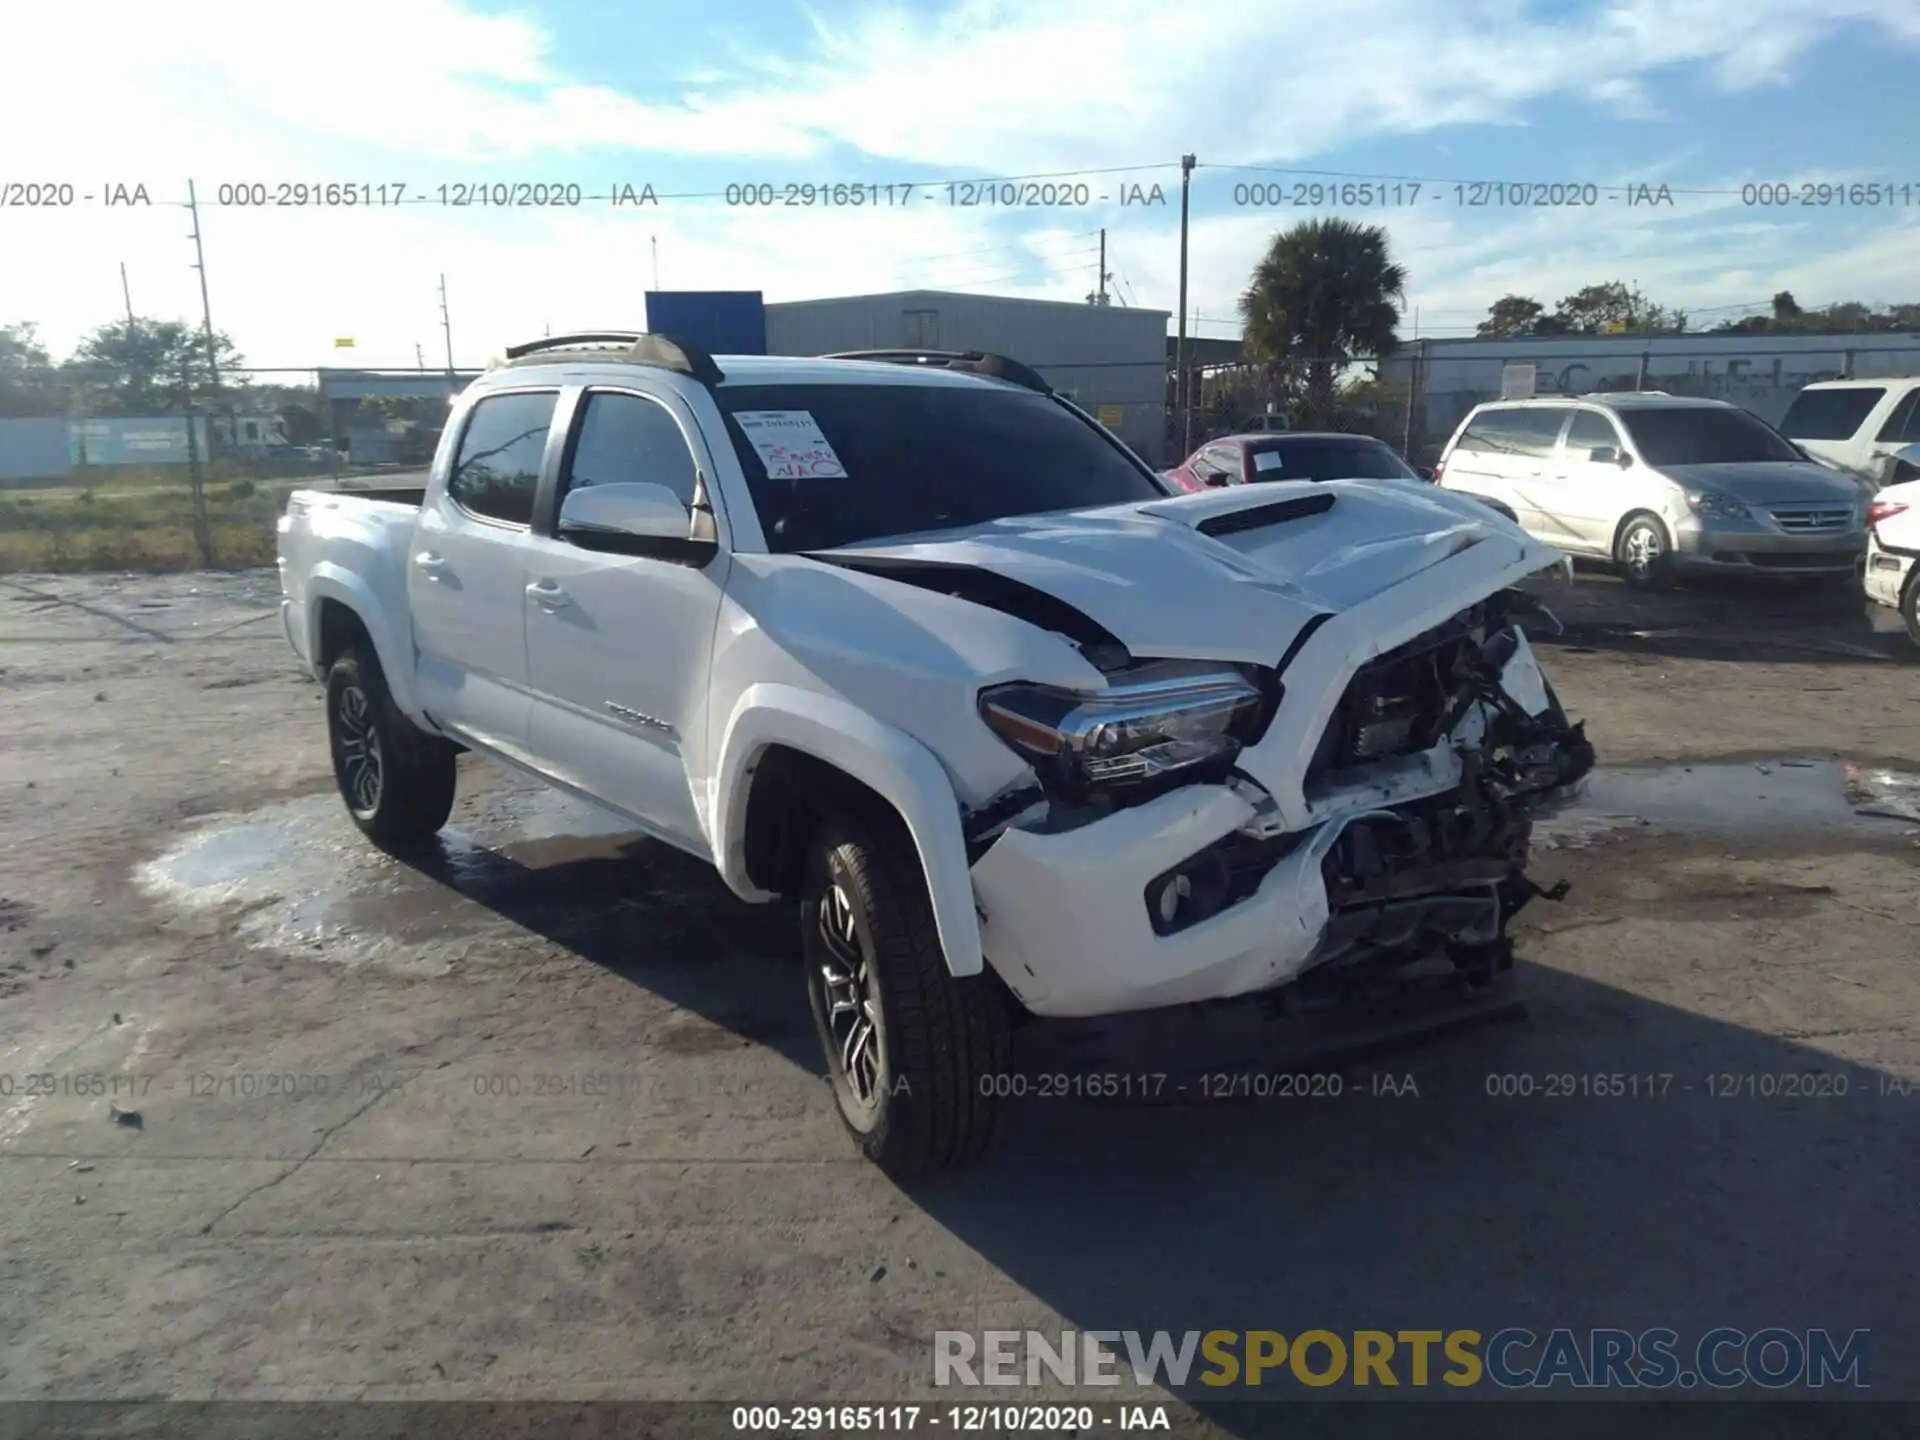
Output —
<point x="626" y="439"/>
<point x="1494" y="432"/>
<point x="1903" y="425"/>
<point x="1589" y="431"/>
<point x="497" y="468"/>
<point x="1536" y="428"/>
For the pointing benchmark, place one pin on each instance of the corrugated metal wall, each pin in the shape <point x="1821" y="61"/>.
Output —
<point x="1112" y="361"/>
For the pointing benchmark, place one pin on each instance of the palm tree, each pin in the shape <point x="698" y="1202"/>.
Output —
<point x="1325" y="291"/>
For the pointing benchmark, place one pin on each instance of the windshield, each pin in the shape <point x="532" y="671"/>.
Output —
<point x="1830" y="414"/>
<point x="1328" y="458"/>
<point x="1704" y="435"/>
<point x="834" y="465"/>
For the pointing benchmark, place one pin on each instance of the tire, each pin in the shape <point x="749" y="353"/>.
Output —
<point x="1910" y="604"/>
<point x="397" y="781"/>
<point x="1644" y="552"/>
<point x="917" y="1096"/>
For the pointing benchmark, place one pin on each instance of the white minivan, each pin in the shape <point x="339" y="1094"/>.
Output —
<point x="1661" y="485"/>
<point x="1859" y="426"/>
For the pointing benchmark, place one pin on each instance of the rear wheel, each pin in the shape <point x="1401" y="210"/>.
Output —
<point x="913" y="1052"/>
<point x="1910" y="604"/>
<point x="396" y="779"/>
<point x="1644" y="552"/>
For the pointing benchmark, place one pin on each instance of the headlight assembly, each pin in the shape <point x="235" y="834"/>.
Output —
<point x="1719" y="507"/>
<point x="1154" y="720"/>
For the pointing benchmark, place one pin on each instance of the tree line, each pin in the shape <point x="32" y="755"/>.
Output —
<point x="141" y="367"/>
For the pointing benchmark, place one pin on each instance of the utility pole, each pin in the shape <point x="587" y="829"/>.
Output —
<point x="1180" y="346"/>
<point x="420" y="357"/>
<point x="203" y="531"/>
<point x="1103" y="265"/>
<point x="654" y="240"/>
<point x="446" y="328"/>
<point x="126" y="295"/>
<point x="206" y="315"/>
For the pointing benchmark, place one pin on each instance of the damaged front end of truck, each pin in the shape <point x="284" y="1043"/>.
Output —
<point x="1239" y="861"/>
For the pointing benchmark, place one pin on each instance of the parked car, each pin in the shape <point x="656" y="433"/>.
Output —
<point x="1859" y="426"/>
<point x="1661" y="485"/>
<point x="1298" y="455"/>
<point x="1893" y="543"/>
<point x="914" y="641"/>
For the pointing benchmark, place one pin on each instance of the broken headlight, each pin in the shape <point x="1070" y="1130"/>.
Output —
<point x="1154" y="720"/>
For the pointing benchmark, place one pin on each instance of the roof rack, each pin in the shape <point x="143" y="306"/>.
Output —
<point x="975" y="362"/>
<point x="632" y="347"/>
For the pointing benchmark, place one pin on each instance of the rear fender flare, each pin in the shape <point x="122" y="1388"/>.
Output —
<point x="335" y="582"/>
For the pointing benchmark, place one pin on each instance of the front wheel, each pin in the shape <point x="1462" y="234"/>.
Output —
<point x="396" y="779"/>
<point x="913" y="1052"/>
<point x="1644" y="553"/>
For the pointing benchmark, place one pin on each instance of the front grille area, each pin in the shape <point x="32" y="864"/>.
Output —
<point x="1812" y="519"/>
<point x="1397" y="704"/>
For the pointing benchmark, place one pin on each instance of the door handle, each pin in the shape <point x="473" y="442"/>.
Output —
<point x="548" y="594"/>
<point x="427" y="560"/>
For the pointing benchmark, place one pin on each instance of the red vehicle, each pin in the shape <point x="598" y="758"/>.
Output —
<point x="1300" y="455"/>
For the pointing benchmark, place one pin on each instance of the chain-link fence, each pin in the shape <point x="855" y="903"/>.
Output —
<point x="132" y="473"/>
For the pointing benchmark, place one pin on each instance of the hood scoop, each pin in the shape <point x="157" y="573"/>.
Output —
<point x="1277" y="512"/>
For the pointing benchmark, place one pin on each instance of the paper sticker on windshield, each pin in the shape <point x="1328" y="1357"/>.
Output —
<point x="790" y="445"/>
<point x="1268" y="460"/>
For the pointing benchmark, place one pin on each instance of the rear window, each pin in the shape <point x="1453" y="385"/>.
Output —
<point x="1327" y="459"/>
<point x="1704" y="435"/>
<point x="1830" y="414"/>
<point x="1519" y="430"/>
<point x="864" y="462"/>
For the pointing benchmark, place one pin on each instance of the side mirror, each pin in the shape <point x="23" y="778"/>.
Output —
<point x="1425" y="472"/>
<point x="1216" y="480"/>
<point x="1604" y="455"/>
<point x="631" y="519"/>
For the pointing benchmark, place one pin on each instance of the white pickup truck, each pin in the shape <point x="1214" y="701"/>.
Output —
<point x="912" y="640"/>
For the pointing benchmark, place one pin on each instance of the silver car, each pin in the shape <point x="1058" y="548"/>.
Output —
<point x="1661" y="485"/>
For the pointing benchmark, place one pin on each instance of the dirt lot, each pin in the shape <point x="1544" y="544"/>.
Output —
<point x="543" y="1119"/>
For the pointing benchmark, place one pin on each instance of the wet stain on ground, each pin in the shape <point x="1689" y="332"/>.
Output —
<point x="1774" y="798"/>
<point x="299" y="877"/>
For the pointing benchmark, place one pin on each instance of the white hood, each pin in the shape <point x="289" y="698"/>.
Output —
<point x="1148" y="574"/>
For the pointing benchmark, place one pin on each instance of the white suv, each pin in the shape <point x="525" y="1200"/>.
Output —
<point x="1863" y="427"/>
<point x="1661" y="485"/>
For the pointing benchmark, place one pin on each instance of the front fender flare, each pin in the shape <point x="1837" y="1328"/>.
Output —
<point x="329" y="581"/>
<point x="898" y="767"/>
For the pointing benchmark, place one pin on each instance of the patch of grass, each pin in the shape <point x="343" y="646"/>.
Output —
<point x="138" y="526"/>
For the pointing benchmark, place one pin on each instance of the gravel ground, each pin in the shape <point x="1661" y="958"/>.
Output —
<point x="543" y="1119"/>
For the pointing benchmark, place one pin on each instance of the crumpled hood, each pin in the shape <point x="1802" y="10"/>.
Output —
<point x="1149" y="575"/>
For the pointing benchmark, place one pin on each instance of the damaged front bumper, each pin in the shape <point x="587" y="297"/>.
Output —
<point x="1207" y="892"/>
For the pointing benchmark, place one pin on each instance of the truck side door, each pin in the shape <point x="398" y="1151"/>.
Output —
<point x="465" y="572"/>
<point x="619" y="645"/>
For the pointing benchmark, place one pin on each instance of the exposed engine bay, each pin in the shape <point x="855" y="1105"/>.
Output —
<point x="1446" y="871"/>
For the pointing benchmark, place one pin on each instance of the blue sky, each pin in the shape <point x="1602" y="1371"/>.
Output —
<point x="1702" y="96"/>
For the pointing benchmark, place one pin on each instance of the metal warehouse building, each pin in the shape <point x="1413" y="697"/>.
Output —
<point x="1110" y="360"/>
